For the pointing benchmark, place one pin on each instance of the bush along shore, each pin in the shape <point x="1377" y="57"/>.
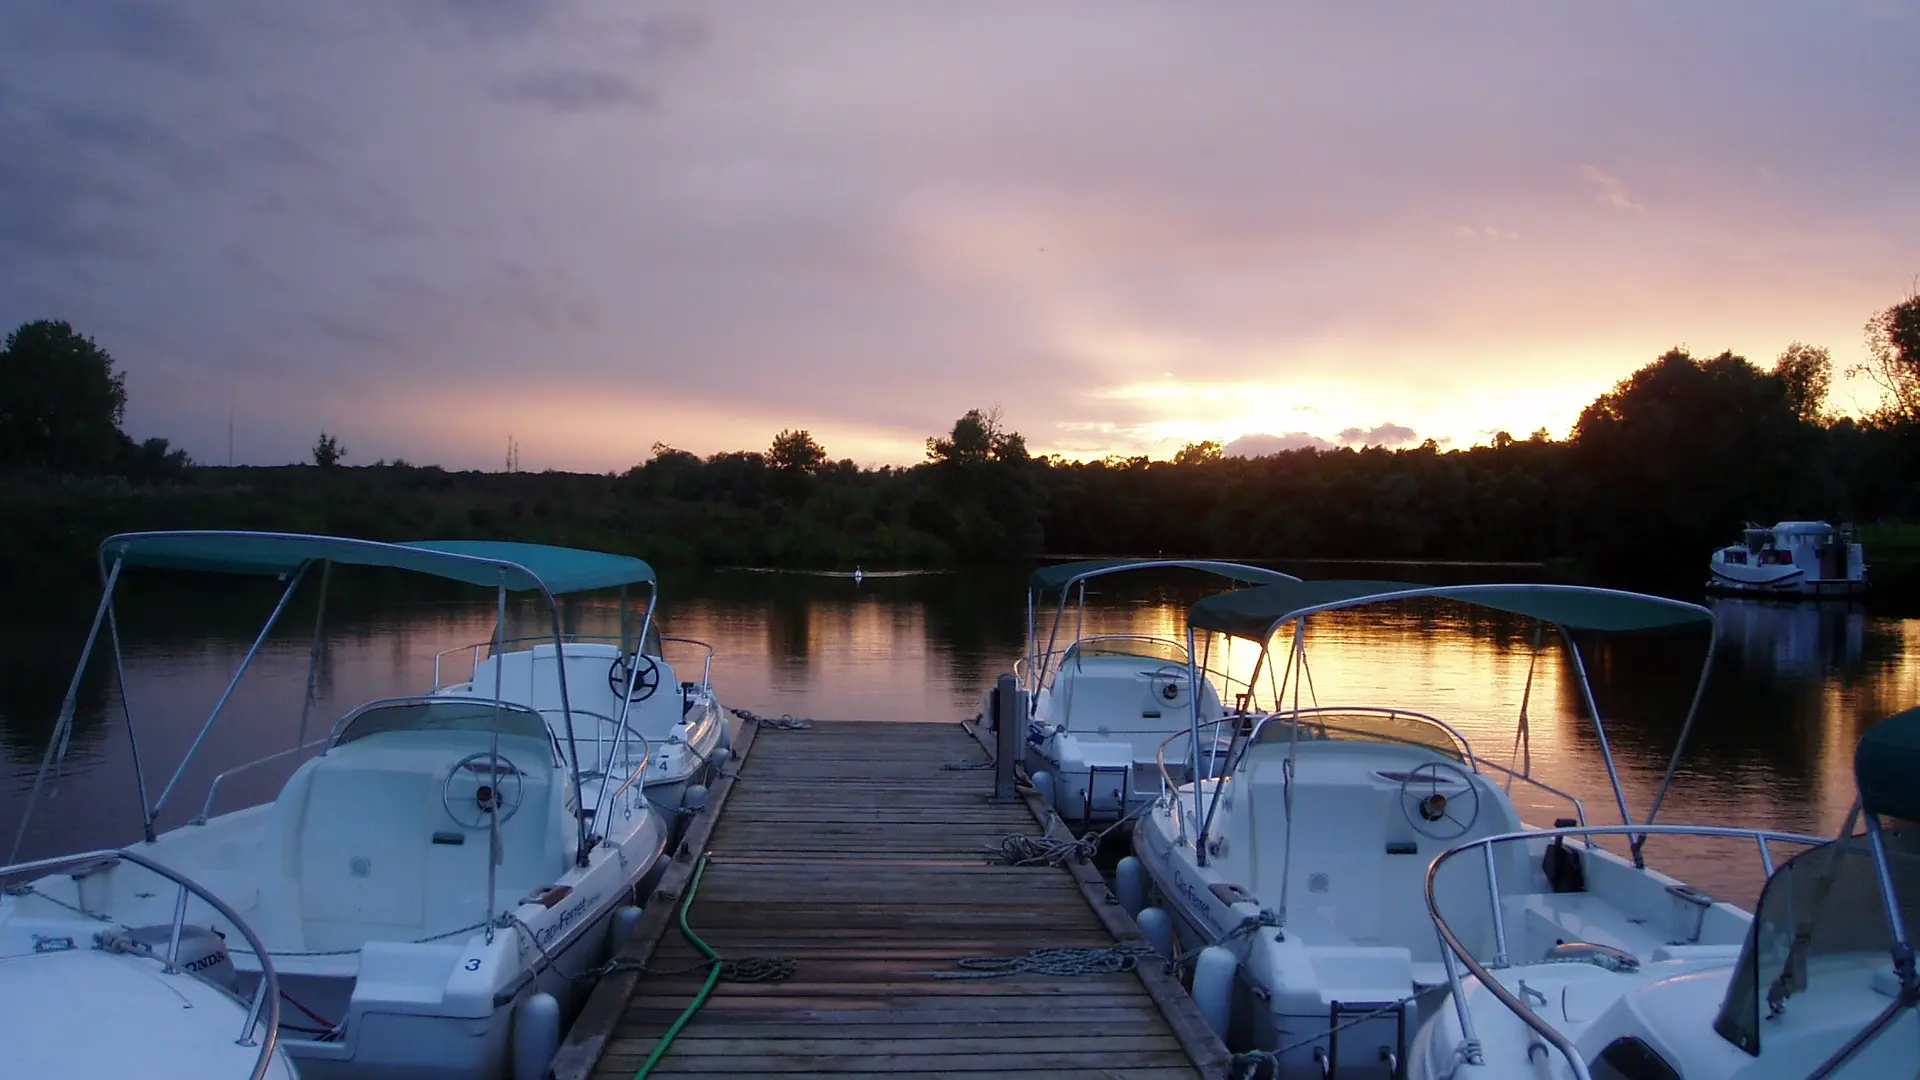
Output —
<point x="1657" y="472"/>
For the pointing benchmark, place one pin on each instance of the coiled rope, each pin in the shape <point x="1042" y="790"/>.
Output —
<point x="1023" y="849"/>
<point x="783" y="722"/>
<point x="1109" y="960"/>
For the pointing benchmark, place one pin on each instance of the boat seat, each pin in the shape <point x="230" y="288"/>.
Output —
<point x="365" y="836"/>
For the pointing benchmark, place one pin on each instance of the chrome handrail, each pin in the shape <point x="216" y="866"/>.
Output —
<point x="213" y="789"/>
<point x="1048" y="668"/>
<point x="706" y="666"/>
<point x="706" y="676"/>
<point x="266" y="996"/>
<point x="354" y="713"/>
<point x="1466" y="748"/>
<point x="606" y="801"/>
<point x="1513" y="1004"/>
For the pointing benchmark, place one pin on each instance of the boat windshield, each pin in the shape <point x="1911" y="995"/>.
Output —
<point x="1362" y="725"/>
<point x="1824" y="902"/>
<point x="442" y="714"/>
<point x="1121" y="645"/>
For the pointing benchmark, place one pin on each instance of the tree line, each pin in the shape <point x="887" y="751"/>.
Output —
<point x="1657" y="471"/>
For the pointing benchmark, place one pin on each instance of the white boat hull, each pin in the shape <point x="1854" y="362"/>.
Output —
<point x="80" y="1011"/>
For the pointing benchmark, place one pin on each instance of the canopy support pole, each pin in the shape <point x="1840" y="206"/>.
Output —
<point x="62" y="725"/>
<point x="1600" y="731"/>
<point x="1293" y="744"/>
<point x="227" y="694"/>
<point x="1199" y="838"/>
<point x="1522" y="736"/>
<point x="126" y="713"/>
<point x="493" y="768"/>
<point x="313" y="657"/>
<point x="566" y="705"/>
<point x="1686" y="731"/>
<point x="633" y="677"/>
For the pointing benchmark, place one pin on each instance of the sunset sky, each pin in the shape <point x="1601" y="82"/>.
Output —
<point x="425" y="225"/>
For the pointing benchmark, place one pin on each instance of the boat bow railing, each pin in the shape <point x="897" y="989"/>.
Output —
<point x="206" y="808"/>
<point x="1455" y="953"/>
<point x="264" y="1009"/>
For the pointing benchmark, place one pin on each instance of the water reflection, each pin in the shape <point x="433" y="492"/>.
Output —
<point x="1794" y="686"/>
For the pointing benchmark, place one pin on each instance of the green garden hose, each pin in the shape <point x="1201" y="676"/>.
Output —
<point x="700" y="998"/>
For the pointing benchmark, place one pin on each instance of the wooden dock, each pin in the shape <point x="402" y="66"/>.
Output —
<point x="863" y="854"/>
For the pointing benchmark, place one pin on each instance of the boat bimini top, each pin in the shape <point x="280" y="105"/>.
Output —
<point x="1067" y="579"/>
<point x="1259" y="614"/>
<point x="506" y="566"/>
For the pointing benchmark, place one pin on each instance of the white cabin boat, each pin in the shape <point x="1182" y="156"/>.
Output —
<point x="1300" y="870"/>
<point x="436" y="886"/>
<point x="166" y="996"/>
<point x="679" y="726"/>
<point x="1792" y="559"/>
<point x="1819" y="982"/>
<point x="1101" y="706"/>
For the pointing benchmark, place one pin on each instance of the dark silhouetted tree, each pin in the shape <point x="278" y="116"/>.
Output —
<point x="327" y="451"/>
<point x="1198" y="453"/>
<point x="795" y="451"/>
<point x="60" y="401"/>
<point x="1893" y="351"/>
<point x="978" y="436"/>
<point x="1807" y="373"/>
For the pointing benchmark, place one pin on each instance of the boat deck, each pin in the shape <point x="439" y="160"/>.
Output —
<point x="854" y="851"/>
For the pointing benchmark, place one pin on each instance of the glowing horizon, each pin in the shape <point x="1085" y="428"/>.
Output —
<point x="595" y="226"/>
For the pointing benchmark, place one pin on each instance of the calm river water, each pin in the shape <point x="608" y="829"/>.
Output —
<point x="1793" y="686"/>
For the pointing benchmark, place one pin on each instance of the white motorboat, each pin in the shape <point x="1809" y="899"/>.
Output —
<point x="1819" y="981"/>
<point x="613" y="688"/>
<point x="1306" y="892"/>
<point x="436" y="885"/>
<point x="1792" y="559"/>
<point x="1101" y="706"/>
<point x="165" y="997"/>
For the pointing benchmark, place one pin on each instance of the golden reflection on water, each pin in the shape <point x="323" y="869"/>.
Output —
<point x="1793" y="689"/>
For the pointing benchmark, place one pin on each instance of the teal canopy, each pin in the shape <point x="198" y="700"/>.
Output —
<point x="1053" y="578"/>
<point x="1886" y="766"/>
<point x="491" y="563"/>
<point x="1256" y="613"/>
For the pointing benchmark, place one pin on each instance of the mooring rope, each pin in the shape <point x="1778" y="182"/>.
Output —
<point x="1114" y="959"/>
<point x="1024" y="849"/>
<point x="783" y="722"/>
<point x="1246" y="926"/>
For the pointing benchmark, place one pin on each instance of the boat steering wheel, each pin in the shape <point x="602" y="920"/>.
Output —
<point x="1166" y="685"/>
<point x="1426" y="812"/>
<point x="644" y="684"/>
<point x="471" y="807"/>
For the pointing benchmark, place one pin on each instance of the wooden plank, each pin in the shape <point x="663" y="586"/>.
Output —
<point x="585" y="1039"/>
<point x="957" y="1070"/>
<point x="1208" y="1051"/>
<point x="917" y="1031"/>
<point x="756" y="1042"/>
<point x="898" y="1059"/>
<point x="850" y="849"/>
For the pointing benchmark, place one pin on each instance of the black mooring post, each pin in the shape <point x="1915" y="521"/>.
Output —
<point x="1010" y="722"/>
